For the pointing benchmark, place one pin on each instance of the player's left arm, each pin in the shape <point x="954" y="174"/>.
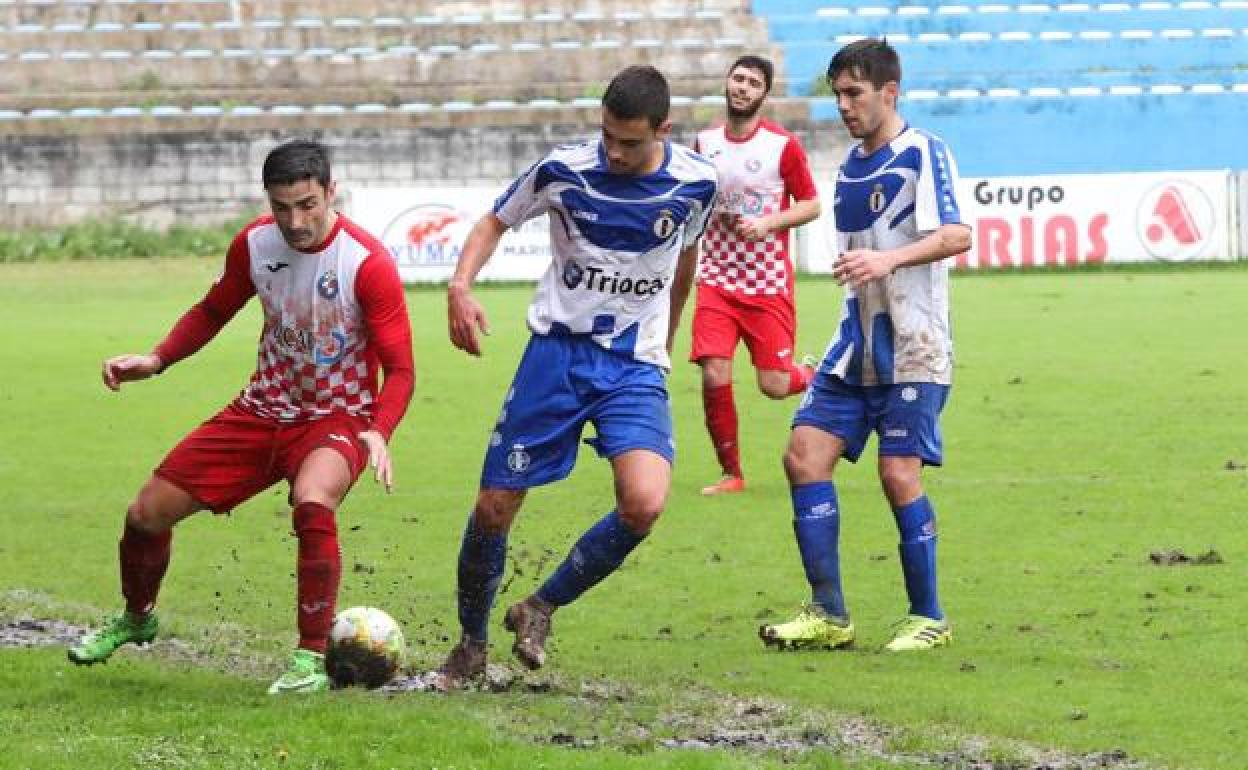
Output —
<point x="380" y="294"/>
<point x="799" y="185"/>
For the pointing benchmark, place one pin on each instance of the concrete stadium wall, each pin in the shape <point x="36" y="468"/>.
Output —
<point x="160" y="172"/>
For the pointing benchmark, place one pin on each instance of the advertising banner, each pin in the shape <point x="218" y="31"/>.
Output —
<point x="425" y="228"/>
<point x="1081" y="219"/>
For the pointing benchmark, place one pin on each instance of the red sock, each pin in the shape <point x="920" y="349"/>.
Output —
<point x="799" y="378"/>
<point x="721" y="423"/>
<point x="319" y="568"/>
<point x="144" y="559"/>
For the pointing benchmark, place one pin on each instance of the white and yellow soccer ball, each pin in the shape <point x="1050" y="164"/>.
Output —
<point x="366" y="648"/>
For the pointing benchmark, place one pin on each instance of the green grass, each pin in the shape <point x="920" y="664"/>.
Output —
<point x="1092" y="421"/>
<point x="115" y="239"/>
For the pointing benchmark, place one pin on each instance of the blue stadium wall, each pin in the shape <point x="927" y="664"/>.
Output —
<point x="1010" y="136"/>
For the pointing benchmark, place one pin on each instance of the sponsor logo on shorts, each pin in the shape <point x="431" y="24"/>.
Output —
<point x="909" y="393"/>
<point x="518" y="460"/>
<point x="896" y="433"/>
<point x="339" y="437"/>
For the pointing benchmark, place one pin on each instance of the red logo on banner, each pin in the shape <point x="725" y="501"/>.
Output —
<point x="431" y="226"/>
<point x="427" y="235"/>
<point x="1175" y="220"/>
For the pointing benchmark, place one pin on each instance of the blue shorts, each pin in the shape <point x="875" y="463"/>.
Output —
<point x="563" y="382"/>
<point x="906" y="416"/>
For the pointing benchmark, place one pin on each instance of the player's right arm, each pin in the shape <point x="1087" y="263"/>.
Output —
<point x="464" y="315"/>
<point x="196" y="327"/>
<point x="522" y="201"/>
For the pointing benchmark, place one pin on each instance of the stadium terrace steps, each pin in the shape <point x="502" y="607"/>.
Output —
<point x="688" y="113"/>
<point x="1056" y="60"/>
<point x="1021" y="24"/>
<point x="180" y="54"/>
<point x="341" y="33"/>
<point x="88" y="12"/>
<point x="1171" y="130"/>
<point x="532" y="74"/>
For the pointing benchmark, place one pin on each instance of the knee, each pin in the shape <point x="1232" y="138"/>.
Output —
<point x="773" y="390"/>
<point x="799" y="466"/>
<point x="901" y="485"/>
<point x="640" y="512"/>
<point x="145" y="516"/>
<point x="322" y="491"/>
<point x="496" y="509"/>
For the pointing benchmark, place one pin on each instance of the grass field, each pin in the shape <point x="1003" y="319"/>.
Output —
<point x="1096" y="418"/>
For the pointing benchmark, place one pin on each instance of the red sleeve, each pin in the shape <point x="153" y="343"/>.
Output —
<point x="223" y="300"/>
<point x="380" y="294"/>
<point x="795" y="170"/>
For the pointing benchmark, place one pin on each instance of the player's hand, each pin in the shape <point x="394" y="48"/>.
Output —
<point x="861" y="266"/>
<point x="464" y="316"/>
<point x="751" y="229"/>
<point x="129" y="367"/>
<point x="379" y="458"/>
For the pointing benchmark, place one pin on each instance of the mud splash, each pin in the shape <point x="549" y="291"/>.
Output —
<point x="700" y="722"/>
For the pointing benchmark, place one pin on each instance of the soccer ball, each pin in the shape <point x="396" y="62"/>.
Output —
<point x="366" y="647"/>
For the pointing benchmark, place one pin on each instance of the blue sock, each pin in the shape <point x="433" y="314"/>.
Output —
<point x="916" y="522"/>
<point x="598" y="553"/>
<point x="482" y="560"/>
<point x="817" y="525"/>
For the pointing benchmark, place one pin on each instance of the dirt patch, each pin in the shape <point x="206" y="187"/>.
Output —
<point x="1175" y="556"/>
<point x="28" y="632"/>
<point x="697" y="721"/>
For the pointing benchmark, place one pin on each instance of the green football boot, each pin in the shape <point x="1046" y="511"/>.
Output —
<point x="98" y="646"/>
<point x="812" y="628"/>
<point x="919" y="633"/>
<point x="306" y="674"/>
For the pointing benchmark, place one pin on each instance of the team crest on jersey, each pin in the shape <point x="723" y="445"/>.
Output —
<point x="329" y="352"/>
<point x="572" y="275"/>
<point x="876" y="200"/>
<point x="753" y="165"/>
<point x="327" y="284"/>
<point x="665" y="225"/>
<point x="518" y="460"/>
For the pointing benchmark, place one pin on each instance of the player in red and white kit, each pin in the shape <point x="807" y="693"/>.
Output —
<point x="745" y="277"/>
<point x="333" y="378"/>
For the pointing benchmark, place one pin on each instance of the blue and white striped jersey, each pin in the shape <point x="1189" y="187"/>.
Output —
<point x="615" y="239"/>
<point x="895" y="329"/>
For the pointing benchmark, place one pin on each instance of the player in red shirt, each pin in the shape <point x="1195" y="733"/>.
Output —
<point x="315" y="412"/>
<point x="745" y="278"/>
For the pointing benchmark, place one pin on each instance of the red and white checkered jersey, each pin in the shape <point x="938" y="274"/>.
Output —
<point x="759" y="175"/>
<point x="332" y="317"/>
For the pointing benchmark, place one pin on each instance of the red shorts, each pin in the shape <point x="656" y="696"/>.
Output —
<point x="766" y="322"/>
<point x="236" y="455"/>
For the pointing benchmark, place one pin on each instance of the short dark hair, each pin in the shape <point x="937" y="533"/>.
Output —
<point x="751" y="61"/>
<point x="870" y="59"/>
<point x="295" y="161"/>
<point x="639" y="91"/>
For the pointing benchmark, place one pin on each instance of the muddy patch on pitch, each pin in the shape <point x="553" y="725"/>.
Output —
<point x="222" y="651"/>
<point x="696" y="720"/>
<point x="31" y="632"/>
